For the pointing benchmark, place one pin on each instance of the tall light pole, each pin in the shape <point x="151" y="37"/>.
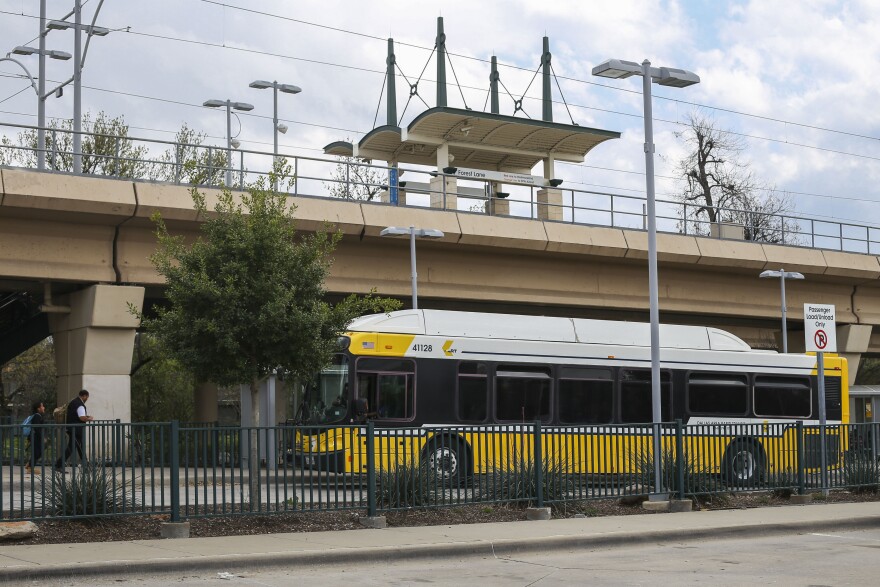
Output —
<point x="677" y="78"/>
<point x="79" y="58"/>
<point x="782" y="274"/>
<point x="413" y="233"/>
<point x="230" y="106"/>
<point x="41" y="88"/>
<point x="276" y="87"/>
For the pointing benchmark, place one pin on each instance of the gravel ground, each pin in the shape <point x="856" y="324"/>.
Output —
<point x="148" y="527"/>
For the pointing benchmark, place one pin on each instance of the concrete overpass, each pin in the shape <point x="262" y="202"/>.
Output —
<point x="84" y="243"/>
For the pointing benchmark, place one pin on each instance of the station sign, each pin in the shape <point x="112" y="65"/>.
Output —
<point x="820" y="328"/>
<point x="500" y="176"/>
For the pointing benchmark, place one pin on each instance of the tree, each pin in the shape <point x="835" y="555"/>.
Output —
<point x="106" y="148"/>
<point x="28" y="378"/>
<point x="355" y="179"/>
<point x="719" y="187"/>
<point x="189" y="162"/>
<point x="161" y="388"/>
<point x="247" y="298"/>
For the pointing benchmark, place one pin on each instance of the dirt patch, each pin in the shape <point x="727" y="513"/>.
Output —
<point x="147" y="527"/>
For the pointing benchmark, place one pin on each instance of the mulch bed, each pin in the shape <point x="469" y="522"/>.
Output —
<point x="148" y="526"/>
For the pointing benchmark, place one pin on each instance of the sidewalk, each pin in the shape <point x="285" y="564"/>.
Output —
<point x="231" y="553"/>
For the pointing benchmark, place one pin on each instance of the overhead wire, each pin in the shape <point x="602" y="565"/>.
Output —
<point x="368" y="70"/>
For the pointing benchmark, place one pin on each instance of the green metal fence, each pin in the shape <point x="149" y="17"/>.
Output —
<point x="197" y="470"/>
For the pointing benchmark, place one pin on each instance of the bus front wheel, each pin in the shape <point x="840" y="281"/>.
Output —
<point x="743" y="463"/>
<point x="447" y="459"/>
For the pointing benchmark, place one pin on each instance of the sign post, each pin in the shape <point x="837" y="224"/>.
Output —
<point x="820" y="336"/>
<point x="393" y="184"/>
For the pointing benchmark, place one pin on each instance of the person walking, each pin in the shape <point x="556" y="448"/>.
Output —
<point x="77" y="416"/>
<point x="35" y="438"/>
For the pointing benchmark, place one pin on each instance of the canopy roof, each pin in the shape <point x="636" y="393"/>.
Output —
<point x="477" y="140"/>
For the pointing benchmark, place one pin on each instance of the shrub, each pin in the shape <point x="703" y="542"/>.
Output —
<point x="783" y="483"/>
<point x="409" y="485"/>
<point x="699" y="480"/>
<point x="87" y="492"/>
<point x="861" y="473"/>
<point x="517" y="483"/>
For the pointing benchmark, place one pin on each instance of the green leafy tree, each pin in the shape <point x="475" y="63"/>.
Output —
<point x="190" y="162"/>
<point x="161" y="388"/>
<point x="247" y="297"/>
<point x="28" y="378"/>
<point x="106" y="148"/>
<point x="720" y="187"/>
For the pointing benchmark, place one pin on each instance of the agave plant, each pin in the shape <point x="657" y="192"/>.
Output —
<point x="87" y="492"/>
<point x="861" y="473"/>
<point x="517" y="482"/>
<point x="408" y="485"/>
<point x="698" y="477"/>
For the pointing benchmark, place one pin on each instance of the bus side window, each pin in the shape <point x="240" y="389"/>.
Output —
<point x="635" y="396"/>
<point x="522" y="393"/>
<point x="782" y="397"/>
<point x="473" y="392"/>
<point x="717" y="394"/>
<point x="388" y="385"/>
<point x="586" y="396"/>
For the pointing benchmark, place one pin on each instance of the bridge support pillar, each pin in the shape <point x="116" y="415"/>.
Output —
<point x="852" y="341"/>
<point x="94" y="343"/>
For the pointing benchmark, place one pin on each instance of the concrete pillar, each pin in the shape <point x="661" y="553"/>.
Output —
<point x="852" y="341"/>
<point x="206" y="406"/>
<point x="439" y="192"/>
<point x="497" y="207"/>
<point x="94" y="343"/>
<point x="549" y="204"/>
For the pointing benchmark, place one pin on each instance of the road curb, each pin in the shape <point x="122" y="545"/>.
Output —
<point x="386" y="554"/>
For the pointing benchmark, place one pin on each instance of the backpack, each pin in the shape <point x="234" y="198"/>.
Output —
<point x="26" y="426"/>
<point x="59" y="414"/>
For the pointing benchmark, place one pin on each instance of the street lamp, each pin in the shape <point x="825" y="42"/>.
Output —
<point x="79" y="57"/>
<point x="782" y="274"/>
<point x="276" y="127"/>
<point x="413" y="233"/>
<point x="230" y="106"/>
<point x="676" y="78"/>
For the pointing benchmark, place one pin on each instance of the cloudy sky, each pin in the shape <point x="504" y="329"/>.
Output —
<point x="796" y="80"/>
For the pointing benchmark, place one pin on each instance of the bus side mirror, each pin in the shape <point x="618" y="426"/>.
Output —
<point x="360" y="409"/>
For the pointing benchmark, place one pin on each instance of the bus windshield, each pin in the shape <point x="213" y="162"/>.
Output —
<point x="326" y="396"/>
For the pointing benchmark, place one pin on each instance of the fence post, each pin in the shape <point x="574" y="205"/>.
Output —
<point x="539" y="467"/>
<point x="679" y="458"/>
<point x="371" y="471"/>
<point x="802" y="481"/>
<point x="175" y="471"/>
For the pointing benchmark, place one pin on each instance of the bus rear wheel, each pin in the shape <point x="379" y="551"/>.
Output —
<point x="447" y="459"/>
<point x="743" y="463"/>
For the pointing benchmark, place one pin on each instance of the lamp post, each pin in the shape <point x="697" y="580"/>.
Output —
<point x="276" y="87"/>
<point x="41" y="77"/>
<point x="230" y="106"/>
<point x="78" y="61"/>
<point x="677" y="78"/>
<point x="782" y="274"/>
<point x="413" y="233"/>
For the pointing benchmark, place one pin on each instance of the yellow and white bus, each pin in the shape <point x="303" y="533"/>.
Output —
<point x="423" y="371"/>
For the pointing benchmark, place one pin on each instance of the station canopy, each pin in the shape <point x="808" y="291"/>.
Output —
<point x="478" y="140"/>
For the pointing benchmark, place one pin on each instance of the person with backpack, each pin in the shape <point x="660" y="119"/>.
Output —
<point x="31" y="428"/>
<point x="77" y="416"/>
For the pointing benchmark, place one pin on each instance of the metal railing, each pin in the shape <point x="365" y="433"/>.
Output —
<point x="188" y="471"/>
<point x="205" y="166"/>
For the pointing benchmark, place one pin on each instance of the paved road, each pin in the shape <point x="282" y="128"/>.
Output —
<point x="809" y="559"/>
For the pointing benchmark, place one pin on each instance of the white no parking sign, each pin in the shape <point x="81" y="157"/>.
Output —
<point x="820" y="332"/>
